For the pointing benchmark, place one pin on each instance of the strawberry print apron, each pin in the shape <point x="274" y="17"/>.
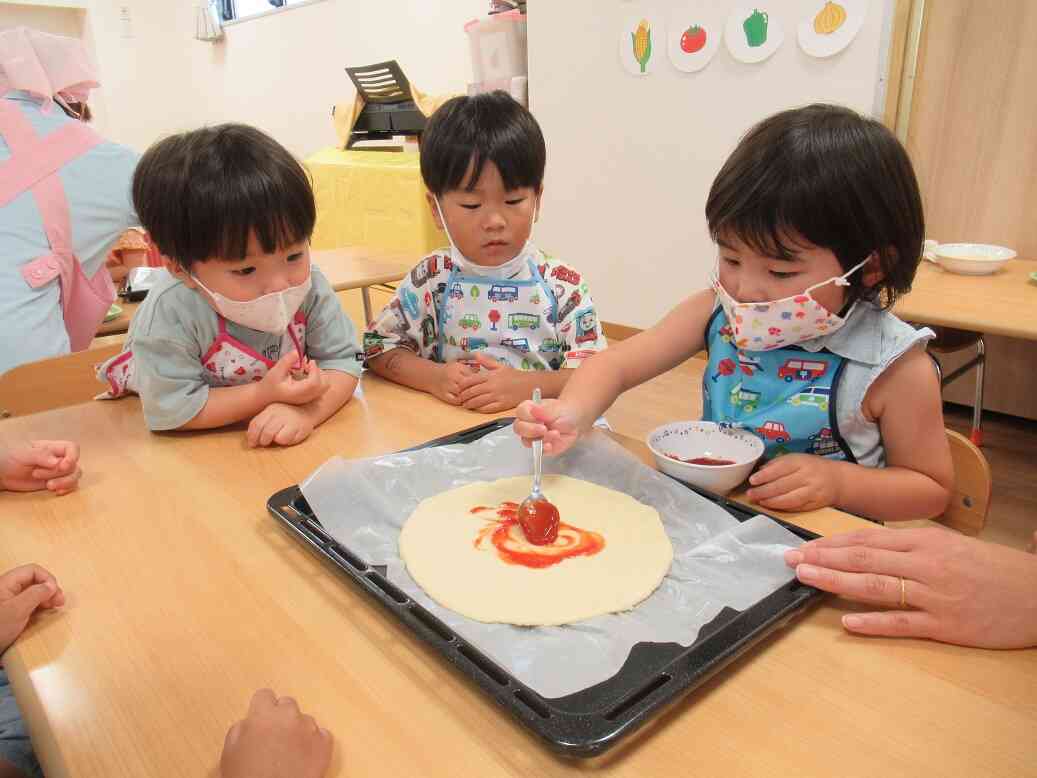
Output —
<point x="227" y="362"/>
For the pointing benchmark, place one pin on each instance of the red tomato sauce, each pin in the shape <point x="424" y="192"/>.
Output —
<point x="512" y="545"/>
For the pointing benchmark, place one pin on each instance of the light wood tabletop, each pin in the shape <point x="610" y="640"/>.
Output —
<point x="1003" y="303"/>
<point x="184" y="597"/>
<point x="350" y="267"/>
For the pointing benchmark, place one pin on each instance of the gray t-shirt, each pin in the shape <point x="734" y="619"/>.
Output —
<point x="175" y="327"/>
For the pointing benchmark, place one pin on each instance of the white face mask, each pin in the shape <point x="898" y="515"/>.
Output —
<point x="270" y="313"/>
<point x="777" y="323"/>
<point x="506" y="268"/>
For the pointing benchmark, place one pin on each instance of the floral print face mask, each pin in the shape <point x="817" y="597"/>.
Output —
<point x="769" y="325"/>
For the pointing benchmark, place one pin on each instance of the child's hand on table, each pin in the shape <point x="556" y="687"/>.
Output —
<point x="281" y="387"/>
<point x="42" y="464"/>
<point x="285" y="425"/>
<point x="552" y="420"/>
<point x="494" y="388"/>
<point x="448" y="387"/>
<point x="275" y="740"/>
<point x="796" y="482"/>
<point x="23" y="591"/>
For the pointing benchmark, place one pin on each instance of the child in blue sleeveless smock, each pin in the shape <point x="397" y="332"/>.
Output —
<point x="818" y="222"/>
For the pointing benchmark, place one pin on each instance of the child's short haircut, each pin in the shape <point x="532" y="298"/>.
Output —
<point x="838" y="179"/>
<point x="490" y="127"/>
<point x="200" y="194"/>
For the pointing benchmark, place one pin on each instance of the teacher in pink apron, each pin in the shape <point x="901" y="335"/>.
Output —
<point x="64" y="199"/>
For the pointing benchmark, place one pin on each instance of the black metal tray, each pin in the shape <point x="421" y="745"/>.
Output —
<point x="588" y="722"/>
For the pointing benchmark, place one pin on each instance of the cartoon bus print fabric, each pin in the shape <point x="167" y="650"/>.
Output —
<point x="542" y="318"/>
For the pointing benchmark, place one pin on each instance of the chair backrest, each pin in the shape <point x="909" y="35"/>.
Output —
<point x="53" y="383"/>
<point x="970" y="502"/>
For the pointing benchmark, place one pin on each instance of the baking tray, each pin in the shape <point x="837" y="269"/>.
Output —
<point x="588" y="722"/>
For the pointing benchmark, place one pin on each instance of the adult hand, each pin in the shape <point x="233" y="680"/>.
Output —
<point x="955" y="589"/>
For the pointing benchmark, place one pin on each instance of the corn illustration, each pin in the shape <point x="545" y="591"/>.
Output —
<point x="642" y="40"/>
<point x="829" y="19"/>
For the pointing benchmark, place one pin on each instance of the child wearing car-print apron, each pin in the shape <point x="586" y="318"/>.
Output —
<point x="483" y="323"/>
<point x="818" y="224"/>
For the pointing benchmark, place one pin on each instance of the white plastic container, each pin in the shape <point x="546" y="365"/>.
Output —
<point x="517" y="87"/>
<point x="498" y="47"/>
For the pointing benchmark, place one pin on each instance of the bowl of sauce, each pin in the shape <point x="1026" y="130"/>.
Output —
<point x="705" y="454"/>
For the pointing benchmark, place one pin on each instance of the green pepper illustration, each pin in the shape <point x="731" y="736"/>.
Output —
<point x="755" y="27"/>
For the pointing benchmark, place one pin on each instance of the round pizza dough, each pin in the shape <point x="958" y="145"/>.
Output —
<point x="437" y="544"/>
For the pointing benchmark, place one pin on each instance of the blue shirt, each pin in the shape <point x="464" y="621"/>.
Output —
<point x="97" y="185"/>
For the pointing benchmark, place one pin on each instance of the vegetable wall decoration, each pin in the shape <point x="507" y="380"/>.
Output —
<point x="639" y="40"/>
<point x="695" y="31"/>
<point x="829" y="26"/>
<point x="753" y="33"/>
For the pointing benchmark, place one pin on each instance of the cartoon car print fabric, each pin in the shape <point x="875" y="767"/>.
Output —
<point x="543" y="318"/>
<point x="785" y="396"/>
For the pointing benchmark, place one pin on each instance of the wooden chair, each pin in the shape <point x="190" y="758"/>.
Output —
<point x="970" y="502"/>
<point x="53" y="383"/>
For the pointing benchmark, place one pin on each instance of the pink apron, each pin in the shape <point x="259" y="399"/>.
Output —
<point x="33" y="166"/>
<point x="228" y="361"/>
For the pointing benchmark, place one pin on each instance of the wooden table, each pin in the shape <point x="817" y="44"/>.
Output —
<point x="351" y="267"/>
<point x="1004" y="303"/>
<point x="184" y="597"/>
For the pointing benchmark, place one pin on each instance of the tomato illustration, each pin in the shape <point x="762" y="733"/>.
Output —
<point x="693" y="39"/>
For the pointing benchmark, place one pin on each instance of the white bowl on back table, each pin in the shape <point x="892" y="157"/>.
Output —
<point x="969" y="259"/>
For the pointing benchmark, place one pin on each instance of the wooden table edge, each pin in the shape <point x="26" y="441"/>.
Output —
<point x="44" y="742"/>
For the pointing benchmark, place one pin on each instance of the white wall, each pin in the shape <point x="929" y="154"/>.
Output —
<point x="281" y="72"/>
<point x="631" y="160"/>
<point x="59" y="21"/>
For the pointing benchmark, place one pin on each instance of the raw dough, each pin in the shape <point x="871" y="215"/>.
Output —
<point x="437" y="545"/>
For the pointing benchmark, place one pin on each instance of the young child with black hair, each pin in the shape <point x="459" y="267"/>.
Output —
<point x="818" y="222"/>
<point x="244" y="328"/>
<point x="484" y="323"/>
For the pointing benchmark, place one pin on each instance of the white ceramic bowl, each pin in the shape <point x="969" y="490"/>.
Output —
<point x="695" y="439"/>
<point x="970" y="259"/>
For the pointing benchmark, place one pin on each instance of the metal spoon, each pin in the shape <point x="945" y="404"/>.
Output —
<point x="535" y="495"/>
<point x="538" y="517"/>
